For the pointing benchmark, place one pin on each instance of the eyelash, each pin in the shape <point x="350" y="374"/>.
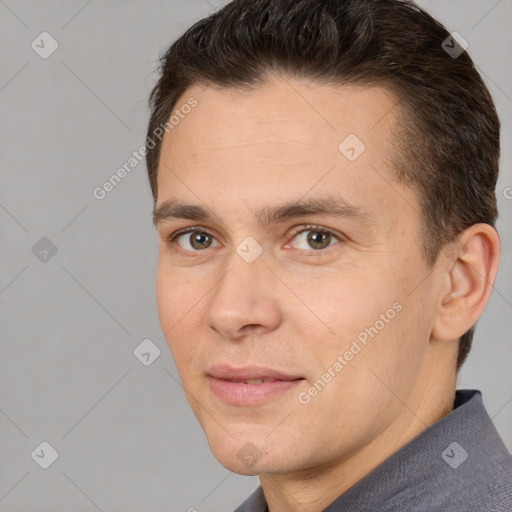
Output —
<point x="171" y="239"/>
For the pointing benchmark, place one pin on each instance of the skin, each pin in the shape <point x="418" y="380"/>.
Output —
<point x="296" y="308"/>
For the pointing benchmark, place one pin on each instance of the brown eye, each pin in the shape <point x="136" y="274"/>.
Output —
<point x="318" y="239"/>
<point x="315" y="238"/>
<point x="196" y="239"/>
<point x="200" y="240"/>
<point x="191" y="240"/>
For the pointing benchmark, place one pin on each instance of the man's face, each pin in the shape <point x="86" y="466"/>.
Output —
<point x="309" y="298"/>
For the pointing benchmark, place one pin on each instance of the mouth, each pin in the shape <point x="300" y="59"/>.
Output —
<point x="250" y="385"/>
<point x="251" y="381"/>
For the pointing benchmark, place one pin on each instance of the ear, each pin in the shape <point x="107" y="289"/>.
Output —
<point x="469" y="270"/>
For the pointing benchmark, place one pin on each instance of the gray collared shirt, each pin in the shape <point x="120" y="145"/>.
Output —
<point x="458" y="464"/>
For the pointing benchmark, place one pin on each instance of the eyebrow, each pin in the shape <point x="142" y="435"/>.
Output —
<point x="331" y="206"/>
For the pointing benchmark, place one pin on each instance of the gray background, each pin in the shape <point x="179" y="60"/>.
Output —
<point x="125" y="436"/>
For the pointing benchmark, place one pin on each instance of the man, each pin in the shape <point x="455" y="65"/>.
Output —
<point x="324" y="199"/>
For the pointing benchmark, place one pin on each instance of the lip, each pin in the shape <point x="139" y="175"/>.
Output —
<point x="226" y="372"/>
<point x="227" y="383"/>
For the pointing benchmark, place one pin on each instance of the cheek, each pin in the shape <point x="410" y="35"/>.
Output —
<point x="362" y="396"/>
<point x="176" y="295"/>
<point x="375" y="327"/>
<point x="345" y="302"/>
<point x="166" y="299"/>
<point x="175" y="304"/>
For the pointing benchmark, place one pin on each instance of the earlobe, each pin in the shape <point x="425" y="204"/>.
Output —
<point x="470" y="271"/>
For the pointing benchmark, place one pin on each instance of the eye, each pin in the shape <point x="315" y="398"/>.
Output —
<point x="191" y="239"/>
<point x="315" y="237"/>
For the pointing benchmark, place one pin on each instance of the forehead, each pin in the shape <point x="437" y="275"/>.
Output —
<point x="296" y="114"/>
<point x="279" y="141"/>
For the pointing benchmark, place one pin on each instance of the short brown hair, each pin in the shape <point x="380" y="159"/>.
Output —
<point x="447" y="140"/>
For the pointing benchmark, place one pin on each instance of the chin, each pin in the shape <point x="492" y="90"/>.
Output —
<point x="251" y="458"/>
<point x="243" y="461"/>
<point x="245" y="455"/>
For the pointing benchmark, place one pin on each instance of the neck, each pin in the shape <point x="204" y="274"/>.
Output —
<point x="312" y="489"/>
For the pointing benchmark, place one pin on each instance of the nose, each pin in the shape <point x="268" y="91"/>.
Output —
<point x="245" y="300"/>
